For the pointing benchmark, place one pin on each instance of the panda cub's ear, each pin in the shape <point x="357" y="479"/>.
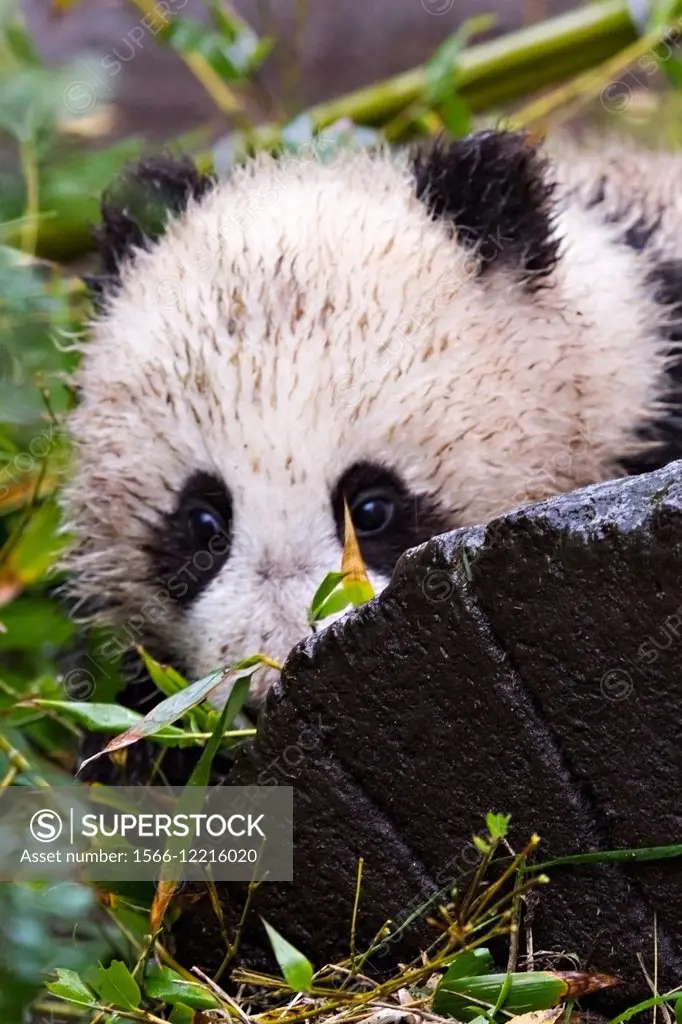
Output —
<point x="136" y="208"/>
<point x="495" y="189"/>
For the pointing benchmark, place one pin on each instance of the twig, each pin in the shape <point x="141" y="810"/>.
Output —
<point x="354" y="920"/>
<point x="221" y="94"/>
<point x="233" y="948"/>
<point x="222" y="995"/>
<point x="18" y="761"/>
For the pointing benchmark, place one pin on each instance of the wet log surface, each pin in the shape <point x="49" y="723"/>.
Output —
<point x="529" y="667"/>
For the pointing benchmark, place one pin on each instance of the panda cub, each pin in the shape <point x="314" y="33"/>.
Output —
<point x="434" y="337"/>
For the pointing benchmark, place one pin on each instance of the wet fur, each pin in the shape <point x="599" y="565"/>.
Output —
<point x="490" y="326"/>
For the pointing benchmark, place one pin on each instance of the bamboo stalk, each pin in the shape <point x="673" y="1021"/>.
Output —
<point x="488" y="74"/>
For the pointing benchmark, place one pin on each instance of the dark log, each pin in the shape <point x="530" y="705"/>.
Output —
<point x="530" y="667"/>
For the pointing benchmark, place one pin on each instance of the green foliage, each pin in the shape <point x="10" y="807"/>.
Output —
<point x="71" y="987"/>
<point x="167" y="986"/>
<point x="296" y="968"/>
<point x="462" y="997"/>
<point x="664" y="12"/>
<point x="56" y="681"/>
<point x="117" y="987"/>
<point x="42" y="929"/>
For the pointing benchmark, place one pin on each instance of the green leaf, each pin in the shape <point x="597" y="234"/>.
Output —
<point x="164" y="984"/>
<point x="633" y="855"/>
<point x="232" y="55"/>
<point x="69" y="986"/>
<point x="481" y="844"/>
<point x="175" y="707"/>
<point x="470" y="963"/>
<point x="325" y="589"/>
<point x="497" y="824"/>
<point x="336" y="602"/>
<point x="165" y="677"/>
<point x="182" y="1015"/>
<point x="455" y="115"/>
<point x="33" y="550"/>
<point x="440" y="71"/>
<point x="678" y="1011"/>
<point x="202" y="773"/>
<point x="664" y="12"/>
<point x="357" y="591"/>
<point x="21" y="45"/>
<point x="647" y="1004"/>
<point x="105" y="718"/>
<point x="296" y="968"/>
<point x="117" y="986"/>
<point x="461" y="997"/>
<point x="672" y="69"/>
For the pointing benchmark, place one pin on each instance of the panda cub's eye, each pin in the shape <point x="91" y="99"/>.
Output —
<point x="204" y="521"/>
<point x="191" y="543"/>
<point x="372" y="513"/>
<point x="387" y="517"/>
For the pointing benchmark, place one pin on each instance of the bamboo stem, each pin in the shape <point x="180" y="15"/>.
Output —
<point x="29" y="227"/>
<point x="585" y="86"/>
<point x="493" y="72"/>
<point x="488" y="74"/>
<point x="17" y="760"/>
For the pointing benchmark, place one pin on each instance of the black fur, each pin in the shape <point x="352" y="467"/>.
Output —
<point x="178" y="564"/>
<point x="417" y="517"/>
<point x="666" y="282"/>
<point x="136" y="208"/>
<point x="495" y="188"/>
<point x="663" y="436"/>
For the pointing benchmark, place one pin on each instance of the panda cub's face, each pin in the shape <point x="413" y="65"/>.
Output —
<point x="361" y="329"/>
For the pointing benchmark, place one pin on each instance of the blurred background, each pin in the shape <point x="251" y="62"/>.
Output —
<point x="321" y="49"/>
<point x="86" y="86"/>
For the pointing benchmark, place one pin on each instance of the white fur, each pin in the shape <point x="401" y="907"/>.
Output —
<point x="296" y="322"/>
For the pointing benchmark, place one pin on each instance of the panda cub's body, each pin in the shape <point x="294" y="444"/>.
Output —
<point x="436" y="339"/>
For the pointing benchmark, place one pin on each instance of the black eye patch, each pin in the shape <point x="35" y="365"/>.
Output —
<point x="388" y="519"/>
<point x="191" y="544"/>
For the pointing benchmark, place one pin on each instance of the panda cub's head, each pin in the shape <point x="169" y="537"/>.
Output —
<point x="392" y="331"/>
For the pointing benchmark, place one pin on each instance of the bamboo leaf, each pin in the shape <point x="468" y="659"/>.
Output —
<point x="334" y="604"/>
<point x="296" y="968"/>
<point x="165" y="677"/>
<point x="235" y="702"/>
<point x="647" y="1004"/>
<point x="104" y="718"/>
<point x="440" y="71"/>
<point x="323" y="592"/>
<point x="636" y="855"/>
<point x="165" y="890"/>
<point x="31" y="551"/>
<point x="454" y="113"/>
<point x="355" y="580"/>
<point x="175" y="707"/>
<point x="470" y="963"/>
<point x="185" y="1015"/>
